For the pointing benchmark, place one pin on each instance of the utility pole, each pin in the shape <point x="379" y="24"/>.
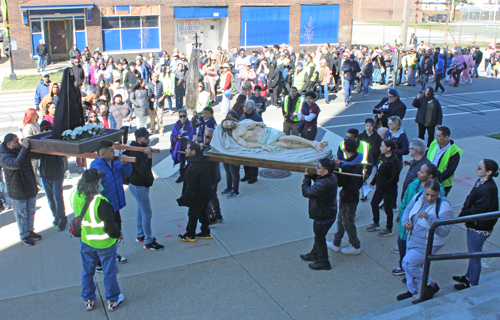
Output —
<point x="448" y="16"/>
<point x="416" y="17"/>
<point x="404" y="26"/>
<point x="12" y="75"/>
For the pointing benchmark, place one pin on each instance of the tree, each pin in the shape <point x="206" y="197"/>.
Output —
<point x="455" y="3"/>
<point x="308" y="34"/>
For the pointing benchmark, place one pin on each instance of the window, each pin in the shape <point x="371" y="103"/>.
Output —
<point x="36" y="26"/>
<point x="257" y="21"/>
<point x="129" y="32"/>
<point x="79" y="24"/>
<point x="319" y="24"/>
<point x="36" y="35"/>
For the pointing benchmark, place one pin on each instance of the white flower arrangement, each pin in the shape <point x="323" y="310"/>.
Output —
<point x="82" y="133"/>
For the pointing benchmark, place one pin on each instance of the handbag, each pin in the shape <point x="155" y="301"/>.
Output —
<point x="75" y="226"/>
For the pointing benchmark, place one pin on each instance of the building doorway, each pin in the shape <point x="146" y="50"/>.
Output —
<point x="59" y="39"/>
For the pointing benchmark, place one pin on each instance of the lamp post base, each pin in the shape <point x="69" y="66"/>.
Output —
<point x="12" y="76"/>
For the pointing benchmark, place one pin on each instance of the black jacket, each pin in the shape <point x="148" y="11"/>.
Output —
<point x="350" y="69"/>
<point x="41" y="49"/>
<point x="477" y="56"/>
<point x="79" y="74"/>
<point x="213" y="168"/>
<point x="141" y="176"/>
<point x="159" y="93"/>
<point x="253" y="116"/>
<point x="52" y="167"/>
<point x="322" y="196"/>
<point x="196" y="188"/>
<point x="397" y="108"/>
<point x="421" y="105"/>
<point x="482" y="199"/>
<point x="19" y="174"/>
<point x="350" y="185"/>
<point x="387" y="176"/>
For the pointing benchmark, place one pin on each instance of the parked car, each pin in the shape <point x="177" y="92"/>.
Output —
<point x="439" y="17"/>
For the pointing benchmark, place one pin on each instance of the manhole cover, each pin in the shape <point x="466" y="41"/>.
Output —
<point x="274" y="174"/>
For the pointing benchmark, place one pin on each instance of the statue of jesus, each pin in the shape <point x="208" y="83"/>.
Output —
<point x="251" y="134"/>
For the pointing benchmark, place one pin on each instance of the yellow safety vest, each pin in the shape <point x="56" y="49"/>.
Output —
<point x="297" y="107"/>
<point x="443" y="163"/>
<point x="299" y="79"/>
<point x="363" y="148"/>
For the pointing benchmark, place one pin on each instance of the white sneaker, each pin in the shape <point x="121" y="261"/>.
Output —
<point x="351" y="250"/>
<point x="330" y="245"/>
<point x="112" y="305"/>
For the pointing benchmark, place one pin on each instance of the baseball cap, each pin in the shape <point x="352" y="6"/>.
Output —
<point x="46" y="74"/>
<point x="92" y="175"/>
<point x="351" y="56"/>
<point x="142" y="132"/>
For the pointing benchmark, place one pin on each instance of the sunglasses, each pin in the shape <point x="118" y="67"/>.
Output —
<point x="208" y="137"/>
<point x="183" y="116"/>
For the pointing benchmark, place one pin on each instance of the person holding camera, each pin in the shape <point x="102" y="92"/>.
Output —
<point x="388" y="107"/>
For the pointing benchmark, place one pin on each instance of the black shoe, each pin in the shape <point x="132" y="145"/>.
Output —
<point x="320" y="266"/>
<point x="184" y="237"/>
<point x="180" y="179"/>
<point x="154" y="246"/>
<point x="202" y="235"/>
<point x="245" y="179"/>
<point x="404" y="296"/>
<point x="431" y="291"/>
<point x="28" y="241"/>
<point x="212" y="221"/>
<point x="55" y="223"/>
<point x="461" y="279"/>
<point x="252" y="181"/>
<point x="62" y="224"/>
<point x="35" y="236"/>
<point x="307" y="257"/>
<point x="461" y="286"/>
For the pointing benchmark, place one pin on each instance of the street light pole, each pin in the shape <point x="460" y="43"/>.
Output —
<point x="404" y="26"/>
<point x="12" y="75"/>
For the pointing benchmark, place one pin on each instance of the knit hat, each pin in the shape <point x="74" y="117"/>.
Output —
<point x="45" y="125"/>
<point x="393" y="92"/>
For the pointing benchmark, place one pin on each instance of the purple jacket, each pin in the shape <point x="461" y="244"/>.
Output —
<point x="177" y="144"/>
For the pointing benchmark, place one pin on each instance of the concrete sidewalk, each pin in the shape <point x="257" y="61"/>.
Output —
<point x="250" y="270"/>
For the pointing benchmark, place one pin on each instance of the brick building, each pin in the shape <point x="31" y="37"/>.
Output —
<point x="122" y="27"/>
<point x="382" y="10"/>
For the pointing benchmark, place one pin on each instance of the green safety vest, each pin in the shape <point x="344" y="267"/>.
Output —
<point x="443" y="163"/>
<point x="312" y="75"/>
<point x="297" y="107"/>
<point x="168" y="83"/>
<point x="223" y="81"/>
<point x="299" y="79"/>
<point x="93" y="232"/>
<point x="363" y="148"/>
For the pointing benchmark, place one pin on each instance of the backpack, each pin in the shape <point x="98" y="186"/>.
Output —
<point x="75" y="226"/>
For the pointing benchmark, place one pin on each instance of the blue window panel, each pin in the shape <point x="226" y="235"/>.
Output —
<point x="81" y="41"/>
<point x="151" y="38"/>
<point x="111" y="40"/>
<point x="319" y="24"/>
<point x="89" y="14"/>
<point x="35" y="37"/>
<point x="122" y="8"/>
<point x="131" y="39"/>
<point x="25" y="17"/>
<point x="200" y="12"/>
<point x="265" y="25"/>
<point x="53" y="11"/>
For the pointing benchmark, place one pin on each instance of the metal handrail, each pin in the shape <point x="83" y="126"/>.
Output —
<point x="452" y="256"/>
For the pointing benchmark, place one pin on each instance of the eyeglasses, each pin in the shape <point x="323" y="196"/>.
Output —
<point x="183" y="116"/>
<point x="208" y="137"/>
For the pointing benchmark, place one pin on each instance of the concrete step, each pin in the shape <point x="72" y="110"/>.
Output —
<point x="481" y="302"/>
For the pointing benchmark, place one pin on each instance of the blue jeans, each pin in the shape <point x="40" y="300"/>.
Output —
<point x="366" y="83"/>
<point x="24" y="210"/>
<point x="144" y="212"/>
<point x="169" y="99"/>
<point x="90" y="257"/>
<point x="348" y="85"/>
<point x="179" y="95"/>
<point x="474" y="72"/>
<point x="54" y="192"/>
<point x="323" y="88"/>
<point x="475" y="242"/>
<point x="42" y="61"/>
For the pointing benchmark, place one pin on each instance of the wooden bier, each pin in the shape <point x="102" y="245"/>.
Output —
<point x="88" y="155"/>
<point x="118" y="146"/>
<point x="269" y="164"/>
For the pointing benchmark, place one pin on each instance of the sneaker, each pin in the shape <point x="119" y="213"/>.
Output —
<point x="233" y="195"/>
<point x="154" y="246"/>
<point x="461" y="279"/>
<point x="89" y="305"/>
<point x="62" y="225"/>
<point x="366" y="95"/>
<point x="226" y="191"/>
<point x="206" y="236"/>
<point x="98" y="269"/>
<point x="404" y="296"/>
<point x="55" y="223"/>
<point x="395" y="250"/>
<point x="320" y="266"/>
<point x="28" y="241"/>
<point x="431" y="291"/>
<point x="252" y="181"/>
<point x="35" y="236"/>
<point x="385" y="233"/>
<point x="80" y="170"/>
<point x="184" y="237"/>
<point x="329" y="244"/>
<point x="112" y="305"/>
<point x="139" y="239"/>
<point x="121" y="259"/>
<point x="461" y="286"/>
<point x="443" y="91"/>
<point x="180" y="179"/>
<point x="351" y="250"/>
<point x="398" y="271"/>
<point x="373" y="227"/>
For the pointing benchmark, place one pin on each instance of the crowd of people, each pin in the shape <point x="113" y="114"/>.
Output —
<point x="116" y="92"/>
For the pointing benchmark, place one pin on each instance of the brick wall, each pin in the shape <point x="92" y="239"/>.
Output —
<point x="22" y="57"/>
<point x="381" y="10"/>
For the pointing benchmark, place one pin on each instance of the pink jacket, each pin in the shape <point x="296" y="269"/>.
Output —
<point x="92" y="70"/>
<point x="327" y="76"/>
